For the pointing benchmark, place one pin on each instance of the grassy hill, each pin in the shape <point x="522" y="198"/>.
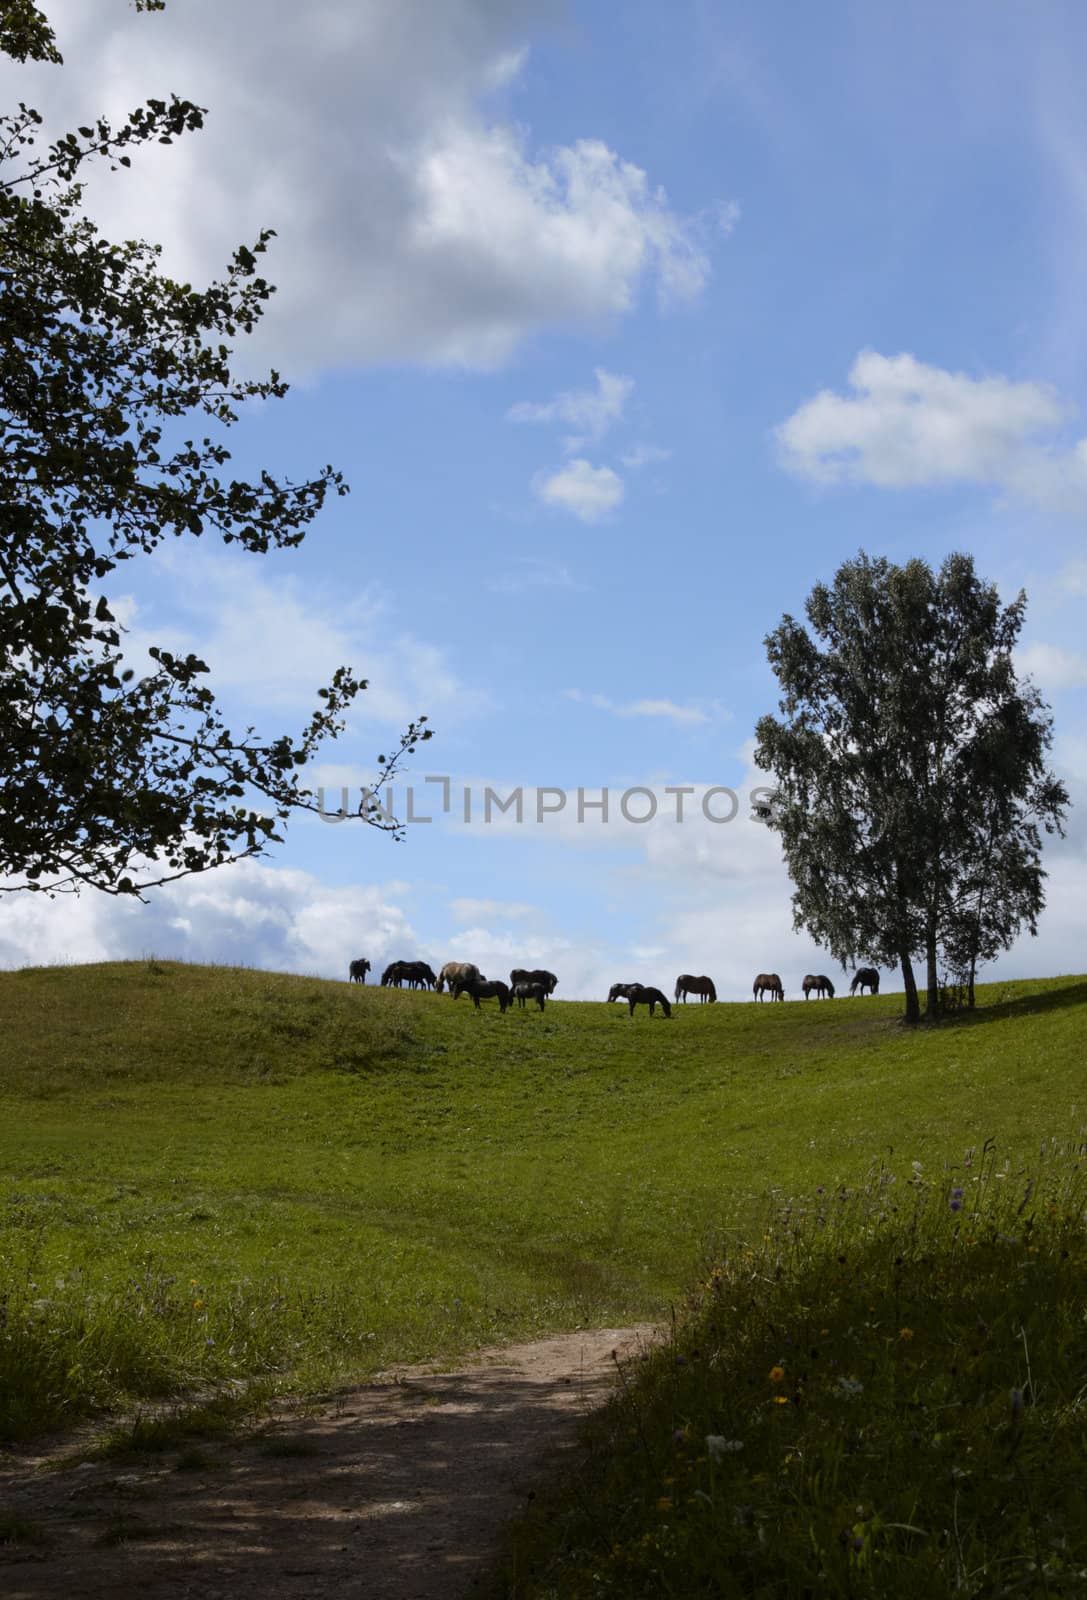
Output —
<point x="214" y="1173"/>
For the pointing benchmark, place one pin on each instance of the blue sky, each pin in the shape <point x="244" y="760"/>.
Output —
<point x="625" y="336"/>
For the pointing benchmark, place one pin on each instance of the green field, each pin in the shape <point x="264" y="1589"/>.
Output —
<point x="214" y="1173"/>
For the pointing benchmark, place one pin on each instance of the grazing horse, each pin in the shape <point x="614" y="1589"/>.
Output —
<point x="358" y="970"/>
<point x="770" y="983"/>
<point x="537" y="975"/>
<point x="456" y="974"/>
<point x="393" y="975"/>
<point x="621" y="991"/>
<point x="639" y="995"/>
<point x="482" y="990"/>
<point x="529" y="991"/>
<point x="866" y="978"/>
<point x="822" y="986"/>
<point x="703" y="987"/>
<point x="419" y="975"/>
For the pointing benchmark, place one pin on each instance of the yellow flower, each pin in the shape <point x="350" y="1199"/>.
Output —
<point x="781" y="1399"/>
<point x="776" y="1374"/>
<point x="664" y="1503"/>
<point x="197" y="1304"/>
<point x="905" y="1333"/>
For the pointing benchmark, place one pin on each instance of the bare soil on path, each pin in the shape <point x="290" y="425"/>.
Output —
<point x="397" y="1490"/>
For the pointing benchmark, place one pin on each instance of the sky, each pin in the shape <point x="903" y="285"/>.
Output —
<point x="627" y="326"/>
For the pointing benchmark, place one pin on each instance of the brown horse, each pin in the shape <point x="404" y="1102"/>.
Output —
<point x="621" y="991"/>
<point x="770" y="983"/>
<point x="703" y="987"/>
<point x="457" y="975"/>
<point x="866" y="978"/>
<point x="537" y="975"/>
<point x="358" y="970"/>
<point x="822" y="986"/>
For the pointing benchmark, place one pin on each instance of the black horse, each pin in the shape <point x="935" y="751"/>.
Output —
<point x="639" y="995"/>
<point x="484" y="989"/>
<point x="866" y="978"/>
<point x="621" y="991"/>
<point x="523" y="992"/>
<point x="536" y="975"/>
<point x="358" y="970"/>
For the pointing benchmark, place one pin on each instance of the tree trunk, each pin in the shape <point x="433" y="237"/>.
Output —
<point x="913" y="1005"/>
<point x="932" y="978"/>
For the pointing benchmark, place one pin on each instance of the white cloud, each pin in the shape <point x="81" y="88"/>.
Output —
<point x="273" y="644"/>
<point x="413" y="222"/>
<point x="1052" y="667"/>
<point x="531" y="572"/>
<point x="591" y="411"/>
<point x="501" y="910"/>
<point x="683" y="715"/>
<point x="587" y="492"/>
<point x="910" y="425"/>
<point x="645" y="455"/>
<point x="253" y="914"/>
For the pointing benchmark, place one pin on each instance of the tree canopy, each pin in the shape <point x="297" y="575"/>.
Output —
<point x="910" y="768"/>
<point x="116" y="394"/>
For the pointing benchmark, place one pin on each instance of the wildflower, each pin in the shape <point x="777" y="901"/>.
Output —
<point x="850" y="1387"/>
<point x="905" y="1333"/>
<point x="197" y="1304"/>
<point x="209" y="1341"/>
<point x="955" y="1202"/>
<point x="781" y="1399"/>
<point x="776" y="1374"/>
<point x="718" y="1446"/>
<point x="664" y="1503"/>
<point x="192" y="1283"/>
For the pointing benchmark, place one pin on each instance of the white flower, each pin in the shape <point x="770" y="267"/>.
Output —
<point x="850" y="1387"/>
<point x="719" y="1446"/>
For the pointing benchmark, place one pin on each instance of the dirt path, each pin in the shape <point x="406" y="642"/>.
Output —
<point x="394" y="1491"/>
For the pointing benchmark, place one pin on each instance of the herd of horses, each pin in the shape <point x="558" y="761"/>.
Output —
<point x="538" y="985"/>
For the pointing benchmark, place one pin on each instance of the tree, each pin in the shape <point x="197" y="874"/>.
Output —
<point x="909" y="764"/>
<point x="111" y="778"/>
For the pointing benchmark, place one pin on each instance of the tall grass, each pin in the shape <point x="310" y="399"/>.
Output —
<point x="882" y="1393"/>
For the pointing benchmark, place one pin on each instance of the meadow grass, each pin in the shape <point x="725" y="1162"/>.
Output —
<point x="881" y="1393"/>
<point x="216" y="1178"/>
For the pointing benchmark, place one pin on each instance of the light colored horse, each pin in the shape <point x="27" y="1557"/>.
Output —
<point x="457" y="975"/>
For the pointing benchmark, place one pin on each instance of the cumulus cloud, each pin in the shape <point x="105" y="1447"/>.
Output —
<point x="416" y="221"/>
<point x="591" y="411"/>
<point x="250" y="914"/>
<point x="587" y="492"/>
<point x="908" y="425"/>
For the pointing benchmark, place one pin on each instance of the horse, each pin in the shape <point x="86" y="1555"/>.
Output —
<point x="703" y="987"/>
<point x="770" y="983"/>
<point x="457" y="974"/>
<point x="481" y="989"/>
<point x="419" y="975"/>
<point x="358" y="970"/>
<point x="621" y="991"/>
<point x="528" y="991"/>
<point x="537" y="975"/>
<point x="639" y="995"/>
<point x="393" y="975"/>
<point x="865" y="978"/>
<point x="822" y="986"/>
